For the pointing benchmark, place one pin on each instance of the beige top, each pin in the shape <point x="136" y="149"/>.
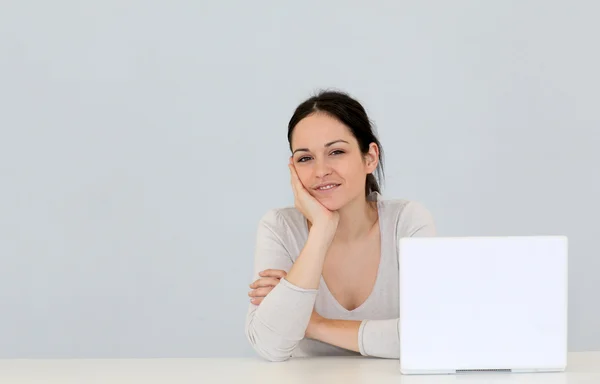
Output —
<point x="276" y="327"/>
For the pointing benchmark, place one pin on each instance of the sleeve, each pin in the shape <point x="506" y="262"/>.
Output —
<point x="416" y="221"/>
<point x="276" y="326"/>
<point x="380" y="338"/>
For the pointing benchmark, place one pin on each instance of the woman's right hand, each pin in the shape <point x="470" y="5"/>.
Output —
<point x="309" y="206"/>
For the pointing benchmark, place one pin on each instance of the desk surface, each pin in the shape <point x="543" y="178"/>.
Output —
<point x="583" y="368"/>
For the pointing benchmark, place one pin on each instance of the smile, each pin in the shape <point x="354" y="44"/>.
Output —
<point x="327" y="187"/>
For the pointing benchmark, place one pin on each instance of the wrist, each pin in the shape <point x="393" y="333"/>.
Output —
<point x="325" y="225"/>
<point x="316" y="327"/>
<point x="322" y="235"/>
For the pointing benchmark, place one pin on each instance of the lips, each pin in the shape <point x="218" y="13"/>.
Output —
<point x="326" y="187"/>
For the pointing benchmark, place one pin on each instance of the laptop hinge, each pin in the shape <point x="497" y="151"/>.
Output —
<point x="483" y="370"/>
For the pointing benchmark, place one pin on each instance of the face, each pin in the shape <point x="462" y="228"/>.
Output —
<point x="328" y="160"/>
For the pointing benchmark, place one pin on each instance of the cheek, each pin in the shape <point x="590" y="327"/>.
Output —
<point x="352" y="172"/>
<point x="304" y="175"/>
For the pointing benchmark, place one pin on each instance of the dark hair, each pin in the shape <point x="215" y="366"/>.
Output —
<point x="352" y="114"/>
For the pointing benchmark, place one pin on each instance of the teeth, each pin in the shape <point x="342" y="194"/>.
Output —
<point x="327" y="186"/>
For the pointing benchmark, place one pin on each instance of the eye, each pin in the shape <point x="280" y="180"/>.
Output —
<point x="303" y="159"/>
<point x="337" y="152"/>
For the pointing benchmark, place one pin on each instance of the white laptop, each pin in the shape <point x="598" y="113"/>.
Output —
<point x="483" y="304"/>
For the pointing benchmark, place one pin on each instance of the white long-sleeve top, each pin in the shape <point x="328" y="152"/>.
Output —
<point x="276" y="327"/>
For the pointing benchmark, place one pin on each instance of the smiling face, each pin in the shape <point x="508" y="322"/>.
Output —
<point x="329" y="161"/>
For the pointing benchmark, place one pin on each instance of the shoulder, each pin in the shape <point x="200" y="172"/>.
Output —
<point x="287" y="223"/>
<point x="281" y="217"/>
<point x="408" y="217"/>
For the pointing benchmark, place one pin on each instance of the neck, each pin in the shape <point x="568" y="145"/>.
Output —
<point x="357" y="218"/>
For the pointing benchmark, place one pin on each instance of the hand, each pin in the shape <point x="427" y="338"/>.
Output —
<point x="315" y="321"/>
<point x="310" y="207"/>
<point x="269" y="278"/>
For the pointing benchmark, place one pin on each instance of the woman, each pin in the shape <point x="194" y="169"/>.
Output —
<point x="326" y="270"/>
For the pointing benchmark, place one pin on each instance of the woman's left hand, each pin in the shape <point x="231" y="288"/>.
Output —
<point x="268" y="279"/>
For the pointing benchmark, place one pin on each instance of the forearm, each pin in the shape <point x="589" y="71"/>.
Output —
<point x="276" y="327"/>
<point x="341" y="333"/>
<point x="307" y="269"/>
<point x="377" y="338"/>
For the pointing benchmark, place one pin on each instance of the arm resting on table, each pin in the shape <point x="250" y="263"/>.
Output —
<point x="276" y="326"/>
<point x="377" y="338"/>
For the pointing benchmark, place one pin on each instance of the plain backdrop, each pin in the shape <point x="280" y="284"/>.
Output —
<point x="141" y="141"/>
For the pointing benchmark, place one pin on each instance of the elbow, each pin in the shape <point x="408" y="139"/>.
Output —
<point x="269" y="346"/>
<point x="273" y="358"/>
<point x="269" y="352"/>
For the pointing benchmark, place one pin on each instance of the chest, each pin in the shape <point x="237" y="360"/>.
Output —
<point x="350" y="271"/>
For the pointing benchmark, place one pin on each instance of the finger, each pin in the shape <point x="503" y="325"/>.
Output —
<point x="296" y="183"/>
<point x="260" y="292"/>
<point x="256" y="300"/>
<point x="273" y="273"/>
<point x="265" y="282"/>
<point x="278" y="273"/>
<point x="293" y="177"/>
<point x="293" y="173"/>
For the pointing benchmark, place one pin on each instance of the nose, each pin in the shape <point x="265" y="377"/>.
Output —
<point x="322" y="168"/>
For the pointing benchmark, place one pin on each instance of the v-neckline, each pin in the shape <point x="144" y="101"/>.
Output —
<point x="377" y="277"/>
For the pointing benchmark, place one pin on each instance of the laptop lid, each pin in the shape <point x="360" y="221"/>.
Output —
<point x="470" y="304"/>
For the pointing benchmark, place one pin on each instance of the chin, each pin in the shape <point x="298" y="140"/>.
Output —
<point x="333" y="203"/>
<point x="338" y="200"/>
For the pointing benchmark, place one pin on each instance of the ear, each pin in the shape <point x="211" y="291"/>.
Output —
<point x="372" y="158"/>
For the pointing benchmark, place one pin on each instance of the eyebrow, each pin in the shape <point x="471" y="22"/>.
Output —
<point x="326" y="145"/>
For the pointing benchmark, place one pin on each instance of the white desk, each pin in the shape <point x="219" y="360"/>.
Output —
<point x="584" y="368"/>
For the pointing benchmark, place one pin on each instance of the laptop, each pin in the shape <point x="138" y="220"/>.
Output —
<point x="483" y="304"/>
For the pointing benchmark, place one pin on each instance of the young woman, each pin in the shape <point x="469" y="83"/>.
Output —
<point x="326" y="269"/>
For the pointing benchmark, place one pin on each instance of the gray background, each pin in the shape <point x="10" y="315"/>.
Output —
<point x="140" y="142"/>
